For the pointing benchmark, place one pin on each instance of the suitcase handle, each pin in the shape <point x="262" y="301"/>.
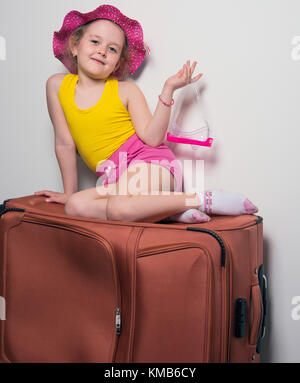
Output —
<point x="256" y="314"/>
<point x="258" y="310"/>
<point x="262" y="280"/>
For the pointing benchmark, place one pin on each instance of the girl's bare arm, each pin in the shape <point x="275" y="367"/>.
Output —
<point x="65" y="148"/>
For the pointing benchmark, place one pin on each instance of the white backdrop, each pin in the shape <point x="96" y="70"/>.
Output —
<point x="249" y="52"/>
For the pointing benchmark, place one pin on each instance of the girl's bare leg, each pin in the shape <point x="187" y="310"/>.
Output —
<point x="136" y="206"/>
<point x="145" y="208"/>
<point x="148" y="208"/>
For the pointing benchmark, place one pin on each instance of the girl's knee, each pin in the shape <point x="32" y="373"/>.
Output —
<point x="73" y="206"/>
<point x="118" y="208"/>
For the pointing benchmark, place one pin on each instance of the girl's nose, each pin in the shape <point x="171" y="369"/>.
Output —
<point x="102" y="51"/>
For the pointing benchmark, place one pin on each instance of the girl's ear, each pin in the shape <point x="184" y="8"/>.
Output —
<point x="74" y="51"/>
<point x="73" y="47"/>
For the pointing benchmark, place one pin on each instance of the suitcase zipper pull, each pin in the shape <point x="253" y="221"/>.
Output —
<point x="118" y="321"/>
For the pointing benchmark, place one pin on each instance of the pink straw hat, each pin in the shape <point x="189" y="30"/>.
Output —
<point x="75" y="19"/>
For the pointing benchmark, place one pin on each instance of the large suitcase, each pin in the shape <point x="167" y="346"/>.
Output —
<point x="88" y="290"/>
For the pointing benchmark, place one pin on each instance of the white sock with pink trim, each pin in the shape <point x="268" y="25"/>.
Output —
<point x="223" y="202"/>
<point x="189" y="216"/>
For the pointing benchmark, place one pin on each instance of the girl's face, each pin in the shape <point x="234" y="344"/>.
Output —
<point x="99" y="49"/>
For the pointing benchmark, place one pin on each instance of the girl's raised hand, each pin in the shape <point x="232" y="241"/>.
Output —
<point x="183" y="77"/>
<point x="54" y="196"/>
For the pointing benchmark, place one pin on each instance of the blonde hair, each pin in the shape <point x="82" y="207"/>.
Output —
<point x="121" y="73"/>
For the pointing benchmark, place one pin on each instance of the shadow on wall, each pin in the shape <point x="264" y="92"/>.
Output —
<point x="140" y="69"/>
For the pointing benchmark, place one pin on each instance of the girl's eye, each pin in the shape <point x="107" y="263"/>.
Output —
<point x="95" y="41"/>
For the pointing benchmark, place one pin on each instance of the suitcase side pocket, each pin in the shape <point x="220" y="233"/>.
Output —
<point x="67" y="303"/>
<point x="175" y="288"/>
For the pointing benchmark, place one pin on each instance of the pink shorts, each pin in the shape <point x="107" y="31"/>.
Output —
<point x="134" y="150"/>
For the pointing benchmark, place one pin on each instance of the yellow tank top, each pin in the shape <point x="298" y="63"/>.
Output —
<point x="100" y="130"/>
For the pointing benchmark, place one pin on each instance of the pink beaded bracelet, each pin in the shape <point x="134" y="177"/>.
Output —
<point x="165" y="102"/>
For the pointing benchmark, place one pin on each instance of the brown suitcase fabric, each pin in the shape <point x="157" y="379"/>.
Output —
<point x="88" y="290"/>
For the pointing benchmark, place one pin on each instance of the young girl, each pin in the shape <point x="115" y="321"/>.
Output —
<point x="109" y="123"/>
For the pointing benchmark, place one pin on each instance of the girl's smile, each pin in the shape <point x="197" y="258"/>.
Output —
<point x="99" y="61"/>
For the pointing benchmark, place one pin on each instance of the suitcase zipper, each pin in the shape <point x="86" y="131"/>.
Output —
<point x="5" y="210"/>
<point x="118" y="321"/>
<point x="217" y="237"/>
<point x="259" y="220"/>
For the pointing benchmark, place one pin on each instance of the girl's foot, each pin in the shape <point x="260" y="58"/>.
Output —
<point x="225" y="203"/>
<point x="189" y="216"/>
